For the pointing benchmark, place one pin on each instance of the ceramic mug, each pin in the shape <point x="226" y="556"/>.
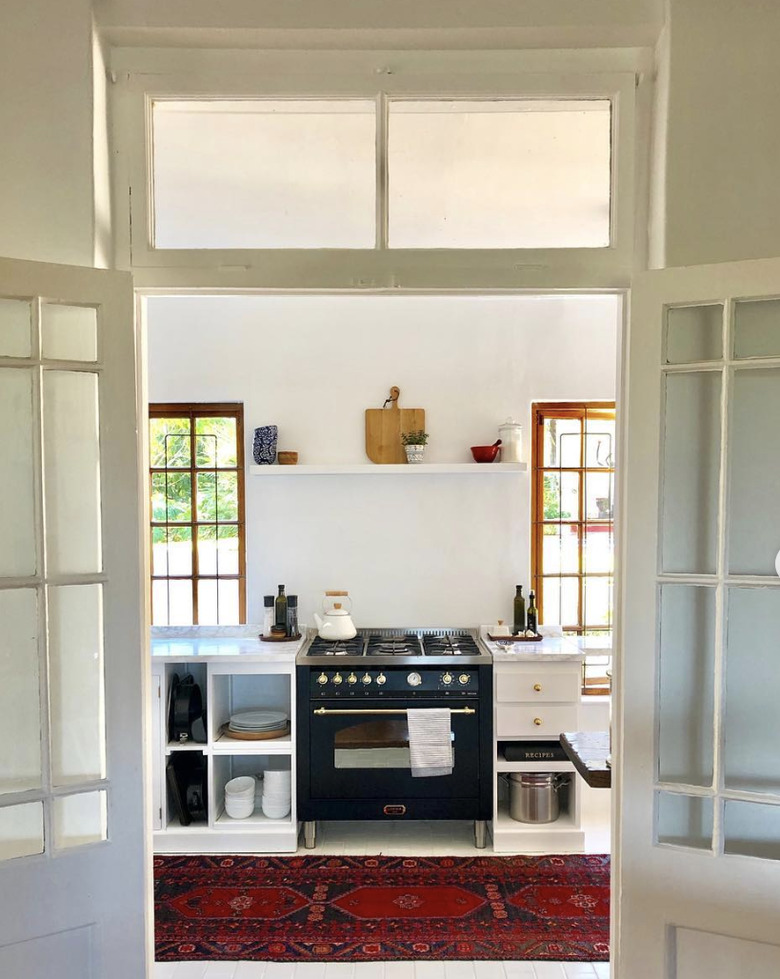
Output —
<point x="264" y="446"/>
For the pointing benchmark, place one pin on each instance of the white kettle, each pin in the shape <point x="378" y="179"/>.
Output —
<point x="335" y="622"/>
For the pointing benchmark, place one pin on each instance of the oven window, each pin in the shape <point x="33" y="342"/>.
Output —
<point x="374" y="744"/>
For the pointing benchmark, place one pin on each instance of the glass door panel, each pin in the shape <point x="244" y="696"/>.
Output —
<point x="684" y="820"/>
<point x="20" y="714"/>
<point x="17" y="485"/>
<point x="757" y="328"/>
<point x="15" y="328"/>
<point x="69" y="332"/>
<point x="21" y="830"/>
<point x="694" y="333"/>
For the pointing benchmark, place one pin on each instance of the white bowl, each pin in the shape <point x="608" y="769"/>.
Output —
<point x="239" y="810"/>
<point x="243" y="785"/>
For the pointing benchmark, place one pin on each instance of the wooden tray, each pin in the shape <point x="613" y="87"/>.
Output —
<point x="263" y="638"/>
<point x="254" y="735"/>
<point x="507" y="639"/>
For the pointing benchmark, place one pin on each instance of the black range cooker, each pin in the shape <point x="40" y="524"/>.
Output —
<point x="353" y="740"/>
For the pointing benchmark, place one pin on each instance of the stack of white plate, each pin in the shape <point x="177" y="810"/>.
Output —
<point x="276" y="794"/>
<point x="240" y="797"/>
<point x="257" y="721"/>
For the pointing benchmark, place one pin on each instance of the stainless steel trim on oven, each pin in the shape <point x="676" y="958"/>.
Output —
<point x="368" y="710"/>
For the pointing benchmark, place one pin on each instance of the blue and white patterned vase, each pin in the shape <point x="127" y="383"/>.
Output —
<point x="264" y="447"/>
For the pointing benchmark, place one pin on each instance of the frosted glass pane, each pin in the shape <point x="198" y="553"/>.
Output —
<point x="72" y="471"/>
<point x="754" y="469"/>
<point x="15" y="328"/>
<point x="80" y="819"/>
<point x="68" y="332"/>
<point x="17" y="496"/>
<point x="684" y="820"/>
<point x="752" y="719"/>
<point x="691" y="459"/>
<point x="757" y="328"/>
<point x="78" y="750"/>
<point x="499" y="174"/>
<point x="752" y="829"/>
<point x="264" y="174"/>
<point x="685" y="699"/>
<point x="694" y="333"/>
<point x="20" y="715"/>
<point x="21" y="830"/>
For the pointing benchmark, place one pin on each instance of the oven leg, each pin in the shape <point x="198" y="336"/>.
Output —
<point x="309" y="834"/>
<point x="480" y="833"/>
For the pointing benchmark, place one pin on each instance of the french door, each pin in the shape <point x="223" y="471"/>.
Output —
<point x="72" y="863"/>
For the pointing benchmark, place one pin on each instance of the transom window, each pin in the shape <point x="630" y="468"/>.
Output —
<point x="197" y="505"/>
<point x="572" y="545"/>
<point x="381" y="173"/>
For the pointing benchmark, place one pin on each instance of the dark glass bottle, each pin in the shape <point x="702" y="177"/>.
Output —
<point x="280" y="612"/>
<point x="519" y="623"/>
<point x="292" y="615"/>
<point x="531" y="616"/>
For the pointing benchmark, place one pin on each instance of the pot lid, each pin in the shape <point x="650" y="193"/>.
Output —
<point x="337" y="610"/>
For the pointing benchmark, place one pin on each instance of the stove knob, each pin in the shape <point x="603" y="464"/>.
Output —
<point x="464" y="678"/>
<point x="414" y="679"/>
<point x="365" y="678"/>
<point x="322" y="678"/>
<point x="351" y="678"/>
<point x="338" y="678"/>
<point x="381" y="679"/>
<point x="446" y="678"/>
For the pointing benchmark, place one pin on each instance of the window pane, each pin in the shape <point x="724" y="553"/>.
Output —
<point x="20" y="727"/>
<point x="264" y="174"/>
<point x="597" y="602"/>
<point x="691" y="470"/>
<point x="78" y="751"/>
<point x="752" y="721"/>
<point x="216" y="444"/>
<point x="171" y="497"/>
<point x="499" y="174"/>
<point x="21" y="830"/>
<point x="561" y="548"/>
<point x="68" y="332"/>
<point x="172" y="603"/>
<point x="561" y="496"/>
<point x="15" y="325"/>
<point x="694" y="333"/>
<point x="218" y="550"/>
<point x="80" y="819"/>
<point x="752" y="829"/>
<point x="562" y="442"/>
<point x="207" y="602"/>
<point x="72" y="471"/>
<point x="217" y="496"/>
<point x="228" y="603"/>
<point x="17" y="536"/>
<point x="757" y="328"/>
<point x="754" y="464"/>
<point x="599" y="495"/>
<point x="599" y="443"/>
<point x="172" y="551"/>
<point x="598" y="547"/>
<point x="686" y="689"/>
<point x="560" y="598"/>
<point x="167" y="452"/>
<point x="684" y="820"/>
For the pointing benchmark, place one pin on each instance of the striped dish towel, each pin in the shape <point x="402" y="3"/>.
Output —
<point x="430" y="741"/>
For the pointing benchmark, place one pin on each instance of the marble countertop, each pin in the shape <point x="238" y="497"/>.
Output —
<point x="218" y="643"/>
<point x="557" y="647"/>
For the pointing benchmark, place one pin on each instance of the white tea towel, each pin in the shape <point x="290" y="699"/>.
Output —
<point x="430" y="741"/>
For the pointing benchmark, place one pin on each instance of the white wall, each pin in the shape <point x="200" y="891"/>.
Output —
<point x="439" y="550"/>
<point x="46" y="199"/>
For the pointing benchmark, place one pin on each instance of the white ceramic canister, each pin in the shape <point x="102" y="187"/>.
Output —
<point x="511" y="435"/>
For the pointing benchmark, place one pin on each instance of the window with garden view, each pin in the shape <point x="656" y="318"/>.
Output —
<point x="197" y="508"/>
<point x="572" y="549"/>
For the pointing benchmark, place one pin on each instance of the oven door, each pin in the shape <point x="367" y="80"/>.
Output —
<point x="362" y="752"/>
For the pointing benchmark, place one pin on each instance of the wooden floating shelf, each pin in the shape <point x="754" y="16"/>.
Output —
<point x="393" y="469"/>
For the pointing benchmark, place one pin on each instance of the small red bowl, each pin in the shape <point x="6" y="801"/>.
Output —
<point x="485" y="453"/>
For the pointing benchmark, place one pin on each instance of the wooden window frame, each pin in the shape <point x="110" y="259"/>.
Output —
<point x="581" y="410"/>
<point x="192" y="411"/>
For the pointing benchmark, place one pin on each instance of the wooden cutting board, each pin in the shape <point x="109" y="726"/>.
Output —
<point x="384" y="427"/>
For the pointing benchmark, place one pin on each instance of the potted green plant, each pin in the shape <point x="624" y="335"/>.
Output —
<point x="414" y="444"/>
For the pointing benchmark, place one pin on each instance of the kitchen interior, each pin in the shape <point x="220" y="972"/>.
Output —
<point x="429" y="559"/>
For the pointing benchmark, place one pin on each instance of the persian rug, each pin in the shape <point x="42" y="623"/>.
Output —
<point x="360" y="909"/>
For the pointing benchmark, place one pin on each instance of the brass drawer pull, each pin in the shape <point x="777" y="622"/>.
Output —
<point x="538" y="687"/>
<point x="537" y="721"/>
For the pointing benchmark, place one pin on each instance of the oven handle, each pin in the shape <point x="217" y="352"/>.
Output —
<point x="328" y="710"/>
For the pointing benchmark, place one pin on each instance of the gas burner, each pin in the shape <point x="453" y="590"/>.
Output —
<point x="403" y="645"/>
<point x="338" y="647"/>
<point x="447" y="645"/>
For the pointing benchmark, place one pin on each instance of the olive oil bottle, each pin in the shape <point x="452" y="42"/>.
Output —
<point x="519" y="618"/>
<point x="531" y="616"/>
<point x="280" y="613"/>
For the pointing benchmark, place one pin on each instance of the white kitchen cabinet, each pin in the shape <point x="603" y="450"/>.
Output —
<point x="536" y="698"/>
<point x="231" y="679"/>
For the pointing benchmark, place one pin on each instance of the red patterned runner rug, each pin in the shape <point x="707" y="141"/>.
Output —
<point x="356" y="909"/>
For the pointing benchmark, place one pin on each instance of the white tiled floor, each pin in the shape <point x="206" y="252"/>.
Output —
<point x="410" y="839"/>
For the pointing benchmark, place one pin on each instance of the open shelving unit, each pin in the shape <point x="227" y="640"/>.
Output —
<point x="393" y="469"/>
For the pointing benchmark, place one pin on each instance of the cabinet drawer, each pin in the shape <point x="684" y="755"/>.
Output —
<point x="538" y="684"/>
<point x="519" y="720"/>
